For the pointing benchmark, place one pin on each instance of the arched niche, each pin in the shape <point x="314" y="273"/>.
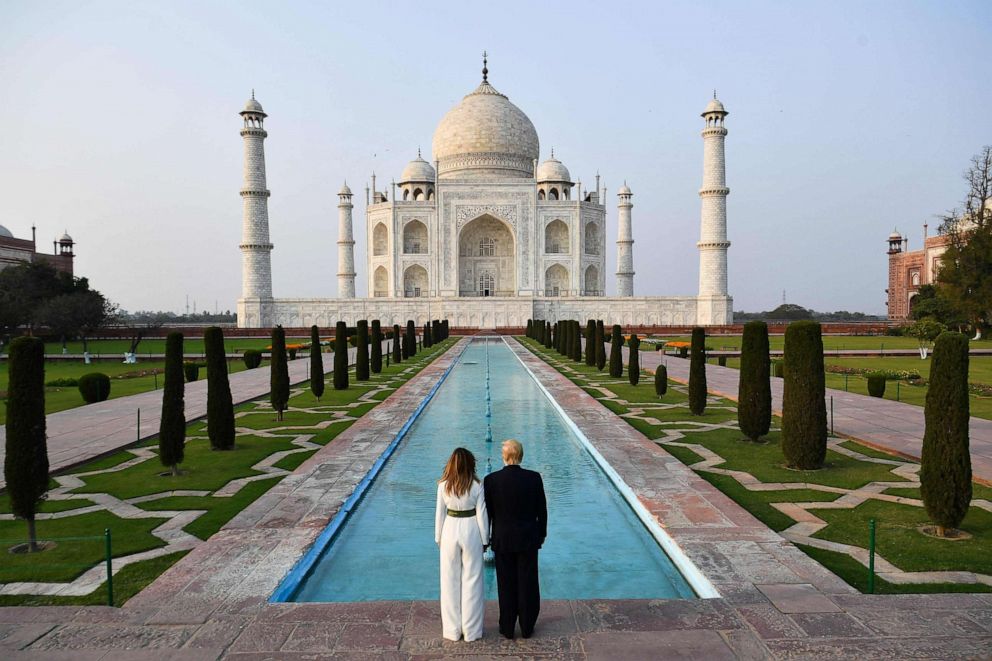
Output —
<point x="415" y="238"/>
<point x="380" y="239"/>
<point x="415" y="282"/>
<point x="555" y="280"/>
<point x="486" y="247"/>
<point x="380" y="282"/>
<point x="591" y="238"/>
<point x="556" y="238"/>
<point x="591" y="281"/>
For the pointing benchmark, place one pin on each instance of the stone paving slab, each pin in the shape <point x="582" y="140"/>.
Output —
<point x="212" y="604"/>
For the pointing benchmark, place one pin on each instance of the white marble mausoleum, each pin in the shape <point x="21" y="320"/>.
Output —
<point x="486" y="235"/>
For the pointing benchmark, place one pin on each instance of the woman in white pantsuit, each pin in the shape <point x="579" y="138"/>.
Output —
<point x="461" y="529"/>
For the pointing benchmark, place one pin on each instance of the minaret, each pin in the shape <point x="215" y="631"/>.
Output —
<point x="256" y="266"/>
<point x="625" y="243"/>
<point x="714" y="305"/>
<point x="346" y="245"/>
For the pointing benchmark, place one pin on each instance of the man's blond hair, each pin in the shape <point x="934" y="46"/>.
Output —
<point x="513" y="451"/>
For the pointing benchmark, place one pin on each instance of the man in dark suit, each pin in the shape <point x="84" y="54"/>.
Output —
<point x="518" y="516"/>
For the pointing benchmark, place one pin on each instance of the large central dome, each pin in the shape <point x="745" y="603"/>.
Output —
<point x="485" y="136"/>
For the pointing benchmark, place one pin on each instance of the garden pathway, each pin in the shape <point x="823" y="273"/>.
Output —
<point x="880" y="423"/>
<point x="85" y="432"/>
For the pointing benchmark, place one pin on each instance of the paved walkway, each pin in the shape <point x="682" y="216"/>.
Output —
<point x="80" y="434"/>
<point x="776" y="602"/>
<point x="881" y="423"/>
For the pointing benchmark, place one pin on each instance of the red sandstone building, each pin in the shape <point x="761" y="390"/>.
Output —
<point x="16" y="251"/>
<point x="909" y="270"/>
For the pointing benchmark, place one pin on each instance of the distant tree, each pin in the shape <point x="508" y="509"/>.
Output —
<point x="172" y="426"/>
<point x="661" y="380"/>
<point x="375" y="360"/>
<point x="397" y="349"/>
<point x="945" y="469"/>
<point x="600" y="345"/>
<point x="754" y="396"/>
<point x="697" y="372"/>
<point x="931" y="303"/>
<point x="804" y="411"/>
<point x="316" y="364"/>
<point x="634" y="359"/>
<point x="341" y="356"/>
<point x="25" y="288"/>
<point x="279" y="372"/>
<point x="362" y="352"/>
<point x="788" y="312"/>
<point x="220" y="407"/>
<point x="591" y="343"/>
<point x="75" y="315"/>
<point x="926" y="331"/>
<point x="616" y="352"/>
<point x="25" y="467"/>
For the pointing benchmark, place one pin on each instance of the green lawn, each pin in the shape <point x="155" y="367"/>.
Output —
<point x="192" y="345"/>
<point x="898" y="540"/>
<point x="203" y="470"/>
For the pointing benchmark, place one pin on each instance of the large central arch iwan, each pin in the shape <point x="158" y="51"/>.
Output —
<point x="487" y="258"/>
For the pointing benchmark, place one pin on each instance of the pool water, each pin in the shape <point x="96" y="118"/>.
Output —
<point x="596" y="546"/>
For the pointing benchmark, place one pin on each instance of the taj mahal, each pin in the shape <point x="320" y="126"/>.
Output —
<point x="486" y="235"/>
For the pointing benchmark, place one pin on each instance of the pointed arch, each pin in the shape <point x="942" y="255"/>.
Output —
<point x="556" y="280"/>
<point x="415" y="238"/>
<point x="556" y="238"/>
<point x="380" y="282"/>
<point x="590" y="285"/>
<point x="415" y="282"/>
<point x="380" y="239"/>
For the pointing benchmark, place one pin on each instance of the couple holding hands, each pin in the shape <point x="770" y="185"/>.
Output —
<point x="507" y="511"/>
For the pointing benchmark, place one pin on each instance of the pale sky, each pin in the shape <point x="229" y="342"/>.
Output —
<point x="120" y="125"/>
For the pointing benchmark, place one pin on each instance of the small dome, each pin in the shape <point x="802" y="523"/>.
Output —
<point x="895" y="236"/>
<point x="417" y="170"/>
<point x="65" y="238"/>
<point x="5" y="233"/>
<point x="715" y="106"/>
<point x="552" y="170"/>
<point x="253" y="106"/>
<point x="624" y="190"/>
<point x="344" y="189"/>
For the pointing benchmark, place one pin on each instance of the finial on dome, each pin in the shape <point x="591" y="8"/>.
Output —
<point x="485" y="70"/>
<point x="253" y="92"/>
<point x="714" y="93"/>
<point x="418" y="152"/>
<point x="552" y="152"/>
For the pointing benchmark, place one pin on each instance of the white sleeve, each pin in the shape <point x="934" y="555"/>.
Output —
<point x="440" y="513"/>
<point x="482" y="515"/>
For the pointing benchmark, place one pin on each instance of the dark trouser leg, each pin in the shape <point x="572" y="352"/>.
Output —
<point x="528" y="591"/>
<point x="506" y="583"/>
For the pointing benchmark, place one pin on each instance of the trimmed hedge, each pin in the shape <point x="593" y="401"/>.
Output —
<point x="94" y="387"/>
<point x="220" y="408"/>
<point x="600" y="345"/>
<point x="341" y="356"/>
<point x="316" y="364"/>
<point x="616" y="352"/>
<point x="804" y="411"/>
<point x="191" y="370"/>
<point x="362" y="352"/>
<point x="945" y="471"/>
<point x="661" y="381"/>
<point x="754" y="394"/>
<point x="172" y="425"/>
<point x="375" y="357"/>
<point x="876" y="385"/>
<point x="634" y="359"/>
<point x="697" y="372"/>
<point x="252" y="358"/>
<point x="397" y="349"/>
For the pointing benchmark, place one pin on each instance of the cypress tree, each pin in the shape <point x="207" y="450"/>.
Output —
<point x="570" y="346"/>
<point x="362" y="352"/>
<point x="278" y="373"/>
<point x="445" y="330"/>
<point x="804" y="412"/>
<point x="555" y="336"/>
<point x="436" y="332"/>
<point x="428" y="340"/>
<point x="397" y="349"/>
<point x="548" y="340"/>
<point x="530" y="329"/>
<point x="634" y="359"/>
<point x="316" y="363"/>
<point x="591" y="343"/>
<point x="600" y="345"/>
<point x="697" y="372"/>
<point x="172" y="425"/>
<point x="562" y="332"/>
<point x="25" y="466"/>
<point x="577" y="342"/>
<point x="341" y="356"/>
<point x="375" y="361"/>
<point x="754" y="395"/>
<point x="411" y="332"/>
<point x="945" y="471"/>
<point x="616" y="352"/>
<point x="661" y="381"/>
<point x="220" y="408"/>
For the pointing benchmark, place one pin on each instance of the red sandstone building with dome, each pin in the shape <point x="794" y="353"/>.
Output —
<point x="17" y="251"/>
